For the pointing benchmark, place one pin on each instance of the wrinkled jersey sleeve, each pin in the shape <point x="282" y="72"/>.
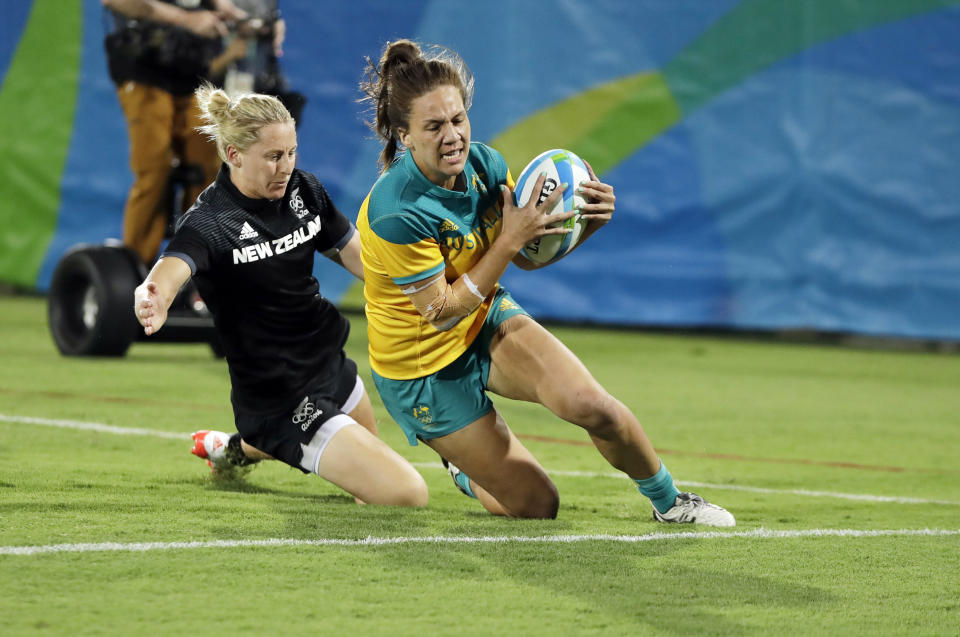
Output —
<point x="406" y="246"/>
<point x="189" y="245"/>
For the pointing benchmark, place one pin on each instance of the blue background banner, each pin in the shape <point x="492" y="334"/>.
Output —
<point x="777" y="165"/>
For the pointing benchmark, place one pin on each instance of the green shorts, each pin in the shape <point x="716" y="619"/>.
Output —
<point x="452" y="398"/>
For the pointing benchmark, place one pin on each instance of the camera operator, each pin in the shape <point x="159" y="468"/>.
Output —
<point x="159" y="52"/>
<point x="252" y="56"/>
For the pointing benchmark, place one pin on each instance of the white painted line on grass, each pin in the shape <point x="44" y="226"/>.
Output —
<point x="760" y="533"/>
<point x="94" y="426"/>
<point x="131" y="431"/>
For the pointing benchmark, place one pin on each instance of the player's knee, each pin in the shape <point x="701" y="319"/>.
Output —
<point x="595" y="410"/>
<point x="417" y="494"/>
<point x="542" y="503"/>
<point x="411" y="491"/>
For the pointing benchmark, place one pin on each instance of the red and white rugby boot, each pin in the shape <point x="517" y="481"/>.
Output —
<point x="212" y="447"/>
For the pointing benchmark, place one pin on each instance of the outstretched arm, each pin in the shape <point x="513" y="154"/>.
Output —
<point x="152" y="298"/>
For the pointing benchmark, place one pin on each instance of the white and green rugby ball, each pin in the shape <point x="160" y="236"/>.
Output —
<point x="561" y="166"/>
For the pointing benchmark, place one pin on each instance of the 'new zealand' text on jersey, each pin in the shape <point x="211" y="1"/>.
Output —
<point x="411" y="230"/>
<point x="252" y="261"/>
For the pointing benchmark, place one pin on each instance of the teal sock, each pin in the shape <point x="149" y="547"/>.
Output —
<point x="464" y="483"/>
<point x="659" y="488"/>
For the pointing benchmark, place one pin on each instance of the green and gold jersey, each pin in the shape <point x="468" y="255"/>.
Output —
<point x="411" y="230"/>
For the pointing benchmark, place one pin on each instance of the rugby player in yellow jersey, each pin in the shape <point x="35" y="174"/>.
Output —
<point x="438" y="229"/>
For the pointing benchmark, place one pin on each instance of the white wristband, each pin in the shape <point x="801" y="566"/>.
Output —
<point x="471" y="286"/>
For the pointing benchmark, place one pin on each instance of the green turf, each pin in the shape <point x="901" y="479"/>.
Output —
<point x="729" y="413"/>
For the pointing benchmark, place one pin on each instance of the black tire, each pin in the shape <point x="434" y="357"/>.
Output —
<point x="90" y="303"/>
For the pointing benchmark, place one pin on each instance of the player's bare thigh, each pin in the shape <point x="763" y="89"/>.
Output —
<point x="366" y="467"/>
<point x="361" y="464"/>
<point x="529" y="363"/>
<point x="496" y="460"/>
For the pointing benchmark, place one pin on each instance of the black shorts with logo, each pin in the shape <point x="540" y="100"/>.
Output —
<point x="285" y="434"/>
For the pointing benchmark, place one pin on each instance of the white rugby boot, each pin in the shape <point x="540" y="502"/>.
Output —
<point x="689" y="508"/>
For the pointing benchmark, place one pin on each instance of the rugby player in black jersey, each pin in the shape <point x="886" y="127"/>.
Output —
<point x="249" y="244"/>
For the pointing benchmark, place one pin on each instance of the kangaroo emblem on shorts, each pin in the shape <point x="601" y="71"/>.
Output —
<point x="422" y="413"/>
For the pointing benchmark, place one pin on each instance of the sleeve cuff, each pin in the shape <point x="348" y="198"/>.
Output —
<point x="183" y="256"/>
<point x="404" y="280"/>
<point x="344" y="240"/>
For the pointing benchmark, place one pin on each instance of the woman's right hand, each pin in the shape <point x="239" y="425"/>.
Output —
<point x="524" y="224"/>
<point x="150" y="307"/>
<point x="152" y="298"/>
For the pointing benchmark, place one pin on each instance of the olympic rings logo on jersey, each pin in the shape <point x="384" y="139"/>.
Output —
<point x="297" y="205"/>
<point x="296" y="201"/>
<point x="305" y="414"/>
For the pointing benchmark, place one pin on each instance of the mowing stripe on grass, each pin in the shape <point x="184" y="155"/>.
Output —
<point x="741" y="458"/>
<point x="822" y="494"/>
<point x="132" y="431"/>
<point x="737" y="487"/>
<point x="547" y="439"/>
<point x="444" y="539"/>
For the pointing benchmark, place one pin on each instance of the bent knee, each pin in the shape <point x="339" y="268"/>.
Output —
<point x="410" y="492"/>
<point x="594" y="409"/>
<point x="541" y="504"/>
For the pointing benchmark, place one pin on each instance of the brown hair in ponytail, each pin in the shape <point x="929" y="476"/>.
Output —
<point x="405" y="72"/>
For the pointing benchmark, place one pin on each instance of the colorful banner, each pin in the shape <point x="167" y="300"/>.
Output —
<point x="777" y="164"/>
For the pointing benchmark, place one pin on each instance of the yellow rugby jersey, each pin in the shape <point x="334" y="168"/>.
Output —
<point x="411" y="230"/>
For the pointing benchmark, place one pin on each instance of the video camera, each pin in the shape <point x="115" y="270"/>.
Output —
<point x="138" y="44"/>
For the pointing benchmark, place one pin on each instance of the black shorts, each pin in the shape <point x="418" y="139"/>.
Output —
<point x="299" y="434"/>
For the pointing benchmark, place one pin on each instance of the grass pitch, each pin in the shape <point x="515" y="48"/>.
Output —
<point x="840" y="466"/>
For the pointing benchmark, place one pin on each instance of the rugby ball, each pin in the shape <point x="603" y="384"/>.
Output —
<point x="560" y="166"/>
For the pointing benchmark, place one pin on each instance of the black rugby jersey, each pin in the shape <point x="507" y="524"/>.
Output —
<point x="252" y="261"/>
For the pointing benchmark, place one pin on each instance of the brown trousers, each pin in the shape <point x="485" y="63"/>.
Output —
<point x="161" y="126"/>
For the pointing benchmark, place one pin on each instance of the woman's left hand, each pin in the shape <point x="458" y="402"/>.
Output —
<point x="599" y="197"/>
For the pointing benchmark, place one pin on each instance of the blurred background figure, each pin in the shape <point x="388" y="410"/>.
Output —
<point x="253" y="49"/>
<point x="757" y="148"/>
<point x="158" y="53"/>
